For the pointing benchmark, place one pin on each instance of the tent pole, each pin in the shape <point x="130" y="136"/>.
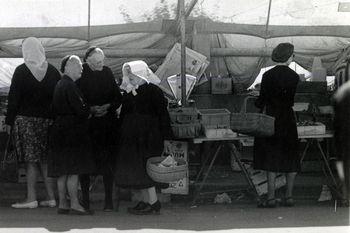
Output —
<point x="89" y="12"/>
<point x="183" y="52"/>
<point x="268" y="19"/>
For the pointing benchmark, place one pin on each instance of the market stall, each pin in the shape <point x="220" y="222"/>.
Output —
<point x="206" y="59"/>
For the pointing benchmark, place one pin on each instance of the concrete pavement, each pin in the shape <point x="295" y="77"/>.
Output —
<point x="306" y="216"/>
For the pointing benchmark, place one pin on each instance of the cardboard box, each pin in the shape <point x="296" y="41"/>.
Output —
<point x="318" y="128"/>
<point x="259" y="179"/>
<point x="196" y="64"/>
<point x="177" y="149"/>
<point x="221" y="85"/>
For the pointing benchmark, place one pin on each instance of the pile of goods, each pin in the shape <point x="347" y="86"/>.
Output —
<point x="310" y="128"/>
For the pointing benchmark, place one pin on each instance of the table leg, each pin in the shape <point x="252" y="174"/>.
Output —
<point x="203" y="166"/>
<point x="236" y="155"/>
<point x="325" y="160"/>
<point x="304" y="151"/>
<point x="206" y="175"/>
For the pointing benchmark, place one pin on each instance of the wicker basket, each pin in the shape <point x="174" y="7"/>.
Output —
<point x="253" y="124"/>
<point x="166" y="174"/>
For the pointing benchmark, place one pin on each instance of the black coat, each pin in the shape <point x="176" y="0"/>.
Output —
<point x="342" y="123"/>
<point x="70" y="151"/>
<point x="145" y="123"/>
<point x="99" y="88"/>
<point x="278" y="153"/>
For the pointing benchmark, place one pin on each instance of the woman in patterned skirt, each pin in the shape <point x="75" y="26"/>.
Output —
<point x="29" y="117"/>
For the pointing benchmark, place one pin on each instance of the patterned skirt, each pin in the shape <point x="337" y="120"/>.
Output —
<point x="31" y="138"/>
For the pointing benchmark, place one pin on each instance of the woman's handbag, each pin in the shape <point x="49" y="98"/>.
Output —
<point x="253" y="124"/>
<point x="9" y="163"/>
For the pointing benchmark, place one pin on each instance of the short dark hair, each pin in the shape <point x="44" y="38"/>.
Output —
<point x="64" y="63"/>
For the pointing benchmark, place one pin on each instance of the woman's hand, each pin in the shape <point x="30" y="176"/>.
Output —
<point x="8" y="129"/>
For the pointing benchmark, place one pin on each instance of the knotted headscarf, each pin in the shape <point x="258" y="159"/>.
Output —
<point x="139" y="69"/>
<point x="34" y="57"/>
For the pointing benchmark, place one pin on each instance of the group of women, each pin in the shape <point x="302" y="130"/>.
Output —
<point x="66" y="126"/>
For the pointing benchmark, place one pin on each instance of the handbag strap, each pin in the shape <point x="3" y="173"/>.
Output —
<point x="245" y="101"/>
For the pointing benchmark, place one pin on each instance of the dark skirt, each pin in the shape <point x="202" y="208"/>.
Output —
<point x="31" y="138"/>
<point x="70" y="148"/>
<point x="279" y="153"/>
<point x="140" y="139"/>
<point x="103" y="132"/>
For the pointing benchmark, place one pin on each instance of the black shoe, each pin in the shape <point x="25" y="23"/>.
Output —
<point x="108" y="207"/>
<point x="149" y="210"/>
<point x="79" y="212"/>
<point x="270" y="203"/>
<point x="139" y="206"/>
<point x="288" y="202"/>
<point x="62" y="211"/>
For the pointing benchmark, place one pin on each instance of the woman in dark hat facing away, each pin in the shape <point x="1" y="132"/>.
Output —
<point x="279" y="153"/>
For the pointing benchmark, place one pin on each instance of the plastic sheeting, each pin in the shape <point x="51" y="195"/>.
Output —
<point x="129" y="24"/>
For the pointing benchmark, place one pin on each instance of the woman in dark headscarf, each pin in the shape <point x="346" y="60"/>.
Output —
<point x="145" y="123"/>
<point x="29" y="117"/>
<point x="102" y="94"/>
<point x="279" y="153"/>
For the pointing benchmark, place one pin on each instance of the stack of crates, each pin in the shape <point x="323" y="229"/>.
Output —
<point x="216" y="123"/>
<point x="185" y="122"/>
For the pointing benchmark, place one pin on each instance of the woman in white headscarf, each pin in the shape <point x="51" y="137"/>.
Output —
<point x="29" y="116"/>
<point x="145" y="123"/>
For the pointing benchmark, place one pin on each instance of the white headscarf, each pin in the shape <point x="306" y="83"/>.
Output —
<point x="34" y="57"/>
<point x="140" y="69"/>
<point x="96" y="59"/>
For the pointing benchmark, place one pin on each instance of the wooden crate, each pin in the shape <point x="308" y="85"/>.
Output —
<point x="259" y="180"/>
<point x="316" y="129"/>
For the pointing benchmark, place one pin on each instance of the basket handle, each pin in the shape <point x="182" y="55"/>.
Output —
<point x="244" y="105"/>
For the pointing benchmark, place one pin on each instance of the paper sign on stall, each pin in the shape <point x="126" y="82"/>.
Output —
<point x="177" y="149"/>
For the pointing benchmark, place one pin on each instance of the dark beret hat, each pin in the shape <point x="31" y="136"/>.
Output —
<point x="282" y="52"/>
<point x="88" y="52"/>
<point x="64" y="62"/>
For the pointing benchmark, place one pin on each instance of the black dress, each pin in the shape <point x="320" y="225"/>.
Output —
<point x="99" y="88"/>
<point x="145" y="123"/>
<point x="70" y="151"/>
<point x="278" y="153"/>
<point x="341" y="104"/>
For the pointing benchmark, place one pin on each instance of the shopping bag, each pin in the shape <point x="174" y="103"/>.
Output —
<point x="9" y="162"/>
<point x="253" y="124"/>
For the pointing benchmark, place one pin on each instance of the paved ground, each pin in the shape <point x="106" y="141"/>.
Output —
<point x="306" y="216"/>
<point x="241" y="216"/>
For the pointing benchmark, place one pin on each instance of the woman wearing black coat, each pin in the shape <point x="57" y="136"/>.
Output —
<point x="102" y="94"/>
<point x="70" y="153"/>
<point x="145" y="123"/>
<point x="279" y="153"/>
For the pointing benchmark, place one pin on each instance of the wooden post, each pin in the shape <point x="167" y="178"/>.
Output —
<point x="183" y="52"/>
